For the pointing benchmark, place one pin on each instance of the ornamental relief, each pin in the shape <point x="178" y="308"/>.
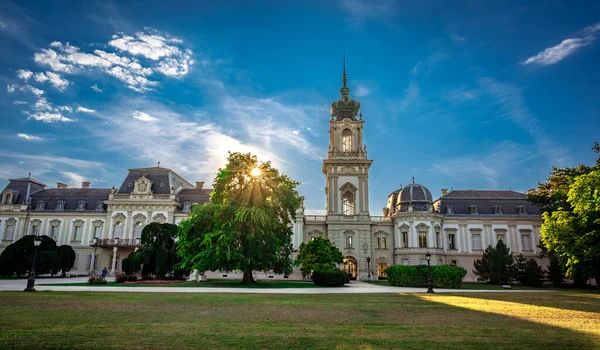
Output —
<point x="381" y="233"/>
<point x="143" y="186"/>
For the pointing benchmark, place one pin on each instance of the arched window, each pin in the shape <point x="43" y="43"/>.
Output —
<point x="348" y="203"/>
<point x="423" y="239"/>
<point x="117" y="230"/>
<point x="346" y="140"/>
<point x="137" y="230"/>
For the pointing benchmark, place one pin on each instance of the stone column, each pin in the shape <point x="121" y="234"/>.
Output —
<point x="127" y="225"/>
<point x="114" y="262"/>
<point x="366" y="187"/>
<point x="336" y="191"/>
<point x="361" y="197"/>
<point x="92" y="260"/>
<point x="412" y="240"/>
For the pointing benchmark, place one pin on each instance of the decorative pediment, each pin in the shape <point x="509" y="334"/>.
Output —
<point x="98" y="223"/>
<point x="119" y="217"/>
<point x="404" y="227"/>
<point x="11" y="221"/>
<point x="315" y="233"/>
<point x="348" y="232"/>
<point x="159" y="218"/>
<point x="381" y="260"/>
<point x="348" y="187"/>
<point x="422" y="227"/>
<point x="142" y="186"/>
<point x="54" y="222"/>
<point x="78" y="222"/>
<point x="139" y="217"/>
<point x="381" y="233"/>
<point x="36" y="222"/>
<point x="437" y="227"/>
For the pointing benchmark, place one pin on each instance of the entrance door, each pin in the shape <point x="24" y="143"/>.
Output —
<point x="350" y="267"/>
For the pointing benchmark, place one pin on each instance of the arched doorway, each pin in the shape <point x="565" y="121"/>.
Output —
<point x="350" y="267"/>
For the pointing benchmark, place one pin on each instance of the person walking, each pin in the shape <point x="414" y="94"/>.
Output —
<point x="104" y="272"/>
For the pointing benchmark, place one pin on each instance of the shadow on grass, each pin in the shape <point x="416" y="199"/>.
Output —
<point x="257" y="321"/>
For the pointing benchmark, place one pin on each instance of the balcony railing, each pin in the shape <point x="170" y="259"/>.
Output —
<point x="111" y="242"/>
<point x="348" y="155"/>
<point x="418" y="250"/>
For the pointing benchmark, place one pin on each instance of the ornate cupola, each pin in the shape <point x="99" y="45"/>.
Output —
<point x="344" y="107"/>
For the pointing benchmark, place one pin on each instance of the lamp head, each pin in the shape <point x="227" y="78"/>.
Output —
<point x="116" y="240"/>
<point x="428" y="256"/>
<point x="37" y="241"/>
<point x="95" y="241"/>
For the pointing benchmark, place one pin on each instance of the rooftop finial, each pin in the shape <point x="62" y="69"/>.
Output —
<point x="30" y="175"/>
<point x="344" y="78"/>
<point x="413" y="179"/>
<point x="159" y="163"/>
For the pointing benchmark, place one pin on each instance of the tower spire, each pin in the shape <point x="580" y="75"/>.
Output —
<point x="344" y="78"/>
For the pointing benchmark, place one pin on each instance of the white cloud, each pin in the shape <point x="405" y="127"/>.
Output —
<point x="96" y="88"/>
<point x="145" y="117"/>
<point x="65" y="109"/>
<point x="34" y="90"/>
<point x="53" y="78"/>
<point x="42" y="104"/>
<point x="29" y="137"/>
<point x="74" y="179"/>
<point x="361" y="90"/>
<point x="81" y="109"/>
<point x="24" y="74"/>
<point x="17" y="102"/>
<point x="150" y="46"/>
<point x="11" y="88"/>
<point x="296" y="132"/>
<point x="48" y="117"/>
<point x="566" y="48"/>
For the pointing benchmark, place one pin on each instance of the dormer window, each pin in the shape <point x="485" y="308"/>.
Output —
<point x="473" y="210"/>
<point x="7" y="198"/>
<point x="81" y="205"/>
<point x="449" y="210"/>
<point x="99" y="205"/>
<point x="186" y="207"/>
<point x="497" y="210"/>
<point x="521" y="210"/>
<point x="60" y="205"/>
<point x="40" y="205"/>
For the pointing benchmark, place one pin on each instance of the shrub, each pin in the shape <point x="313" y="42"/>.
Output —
<point x="443" y="276"/>
<point x="529" y="273"/>
<point x="496" y="266"/>
<point x="318" y="255"/>
<point x="96" y="280"/>
<point x="330" y="278"/>
<point x="122" y="277"/>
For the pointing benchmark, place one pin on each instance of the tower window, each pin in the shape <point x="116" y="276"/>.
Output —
<point x="346" y="140"/>
<point x="348" y="203"/>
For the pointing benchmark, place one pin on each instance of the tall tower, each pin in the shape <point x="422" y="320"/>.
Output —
<point x="346" y="168"/>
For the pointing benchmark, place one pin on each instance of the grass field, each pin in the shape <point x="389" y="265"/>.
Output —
<point x="486" y="286"/>
<point x="217" y="283"/>
<point x="48" y="320"/>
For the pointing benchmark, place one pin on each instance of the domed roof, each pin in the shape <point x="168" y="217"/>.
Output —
<point x="414" y="197"/>
<point x="345" y="106"/>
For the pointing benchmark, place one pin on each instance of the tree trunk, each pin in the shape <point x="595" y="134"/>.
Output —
<point x="248" y="278"/>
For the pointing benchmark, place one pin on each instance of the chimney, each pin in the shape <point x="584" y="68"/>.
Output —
<point x="85" y="184"/>
<point x="199" y="185"/>
<point x="61" y="185"/>
<point x="444" y="191"/>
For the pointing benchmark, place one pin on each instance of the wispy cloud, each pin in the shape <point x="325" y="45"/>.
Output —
<point x="361" y="90"/>
<point x="81" y="109"/>
<point x="53" y="78"/>
<point x="96" y="88"/>
<point x="29" y="137"/>
<point x="361" y="10"/>
<point x="509" y="100"/>
<point x="49" y="117"/>
<point x="566" y="48"/>
<point x="143" y="116"/>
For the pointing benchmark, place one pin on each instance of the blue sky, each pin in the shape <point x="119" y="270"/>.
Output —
<point x="468" y="95"/>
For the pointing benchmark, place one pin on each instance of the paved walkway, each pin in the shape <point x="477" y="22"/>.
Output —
<point x="355" y="287"/>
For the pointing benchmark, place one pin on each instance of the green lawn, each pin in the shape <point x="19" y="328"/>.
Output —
<point x="211" y="283"/>
<point x="486" y="286"/>
<point x="92" y="320"/>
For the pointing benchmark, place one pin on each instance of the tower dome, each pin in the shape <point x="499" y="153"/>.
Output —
<point x="345" y="106"/>
<point x="414" y="195"/>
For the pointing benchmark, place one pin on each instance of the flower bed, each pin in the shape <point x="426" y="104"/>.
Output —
<point x="155" y="282"/>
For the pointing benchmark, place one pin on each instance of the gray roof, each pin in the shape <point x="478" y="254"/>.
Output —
<point x="485" y="200"/>
<point x="20" y="187"/>
<point x="72" y="197"/>
<point x="162" y="180"/>
<point x="195" y="195"/>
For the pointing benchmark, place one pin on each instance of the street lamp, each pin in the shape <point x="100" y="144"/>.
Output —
<point x="369" y="266"/>
<point x="93" y="260"/>
<point x="429" y="282"/>
<point x="37" y="240"/>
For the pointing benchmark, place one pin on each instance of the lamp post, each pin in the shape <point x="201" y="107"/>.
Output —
<point x="369" y="267"/>
<point x="429" y="282"/>
<point x="31" y="280"/>
<point x="93" y="260"/>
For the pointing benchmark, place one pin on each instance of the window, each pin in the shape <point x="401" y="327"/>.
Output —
<point x="453" y="262"/>
<point x="346" y="140"/>
<point x="378" y="242"/>
<point x="76" y="233"/>
<point x="8" y="198"/>
<point x="348" y="203"/>
<point x="381" y="270"/>
<point x="498" y="210"/>
<point x="35" y="229"/>
<point x="137" y="230"/>
<point x="451" y="241"/>
<point x="10" y="231"/>
<point x="117" y="230"/>
<point x="521" y="210"/>
<point x="97" y="232"/>
<point x="405" y="262"/>
<point x="501" y="237"/>
<point x="526" y="239"/>
<point x="437" y="239"/>
<point x="99" y="205"/>
<point x="422" y="239"/>
<point x="53" y="232"/>
<point x="449" y="210"/>
<point x="60" y="205"/>
<point x="81" y="205"/>
<point x="405" y="239"/>
<point x="476" y="240"/>
<point x="40" y="205"/>
<point x="186" y="207"/>
<point x="473" y="209"/>
<point x="349" y="242"/>
<point x="383" y="243"/>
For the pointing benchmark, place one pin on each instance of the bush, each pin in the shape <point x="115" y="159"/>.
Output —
<point x="96" y="280"/>
<point x="330" y="278"/>
<point x="496" y="266"/>
<point x="122" y="277"/>
<point x="443" y="276"/>
<point x="529" y="273"/>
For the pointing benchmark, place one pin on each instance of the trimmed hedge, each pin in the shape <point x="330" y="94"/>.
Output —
<point x="330" y="278"/>
<point x="443" y="276"/>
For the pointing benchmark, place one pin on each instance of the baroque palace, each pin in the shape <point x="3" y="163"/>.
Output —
<point x="455" y="227"/>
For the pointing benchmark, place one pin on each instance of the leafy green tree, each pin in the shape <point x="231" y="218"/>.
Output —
<point x="158" y="254"/>
<point x="16" y="258"/>
<point x="247" y="225"/>
<point x="496" y="266"/>
<point x="528" y="272"/>
<point x="318" y="255"/>
<point x="574" y="233"/>
<point x="66" y="259"/>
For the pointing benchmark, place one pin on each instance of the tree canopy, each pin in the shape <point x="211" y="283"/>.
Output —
<point x="16" y="258"/>
<point x="496" y="266"/>
<point x="247" y="225"/>
<point x="318" y="255"/>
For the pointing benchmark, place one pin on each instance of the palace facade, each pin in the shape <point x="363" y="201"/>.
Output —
<point x="455" y="227"/>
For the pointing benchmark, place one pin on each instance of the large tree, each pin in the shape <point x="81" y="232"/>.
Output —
<point x="564" y="229"/>
<point x="16" y="258"/>
<point x="247" y="225"/>
<point x="318" y="255"/>
<point x="496" y="266"/>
